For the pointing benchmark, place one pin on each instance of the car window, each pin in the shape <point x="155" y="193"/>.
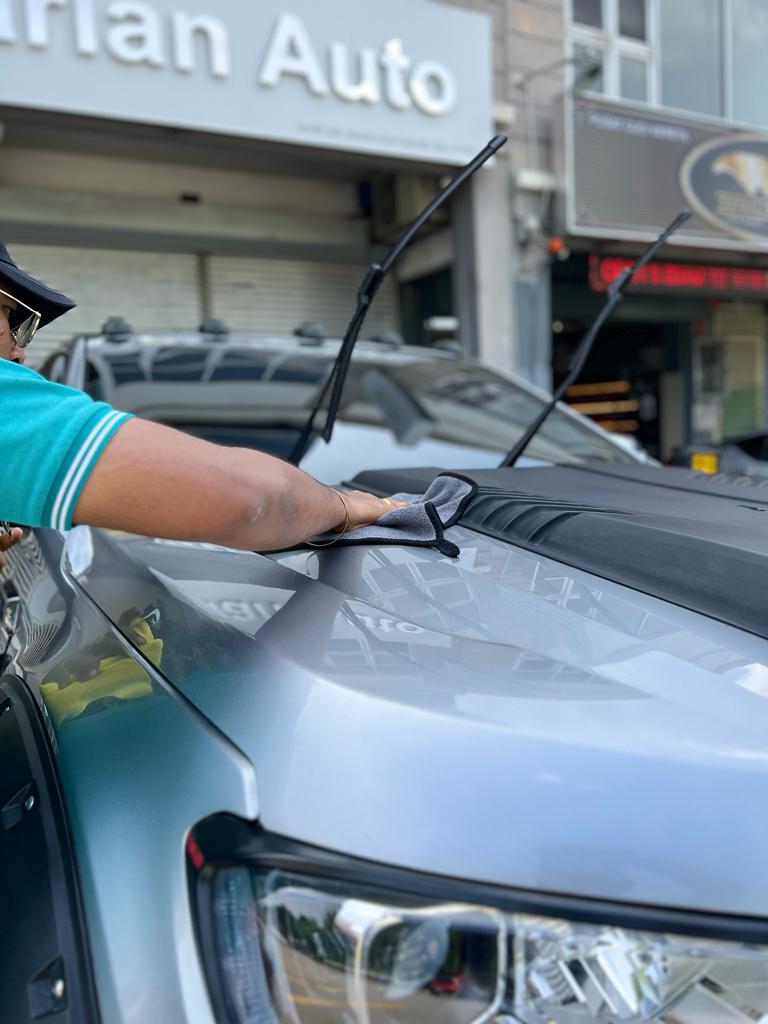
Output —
<point x="398" y="408"/>
<point x="471" y="405"/>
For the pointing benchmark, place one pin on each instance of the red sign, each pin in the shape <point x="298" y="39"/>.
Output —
<point x="697" y="277"/>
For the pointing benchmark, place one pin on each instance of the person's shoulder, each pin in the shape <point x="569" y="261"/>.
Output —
<point x="29" y="386"/>
<point x="11" y="372"/>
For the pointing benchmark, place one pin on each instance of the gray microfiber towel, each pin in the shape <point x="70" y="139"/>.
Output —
<point x="423" y="521"/>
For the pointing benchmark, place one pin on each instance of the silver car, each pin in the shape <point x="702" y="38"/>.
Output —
<point x="377" y="784"/>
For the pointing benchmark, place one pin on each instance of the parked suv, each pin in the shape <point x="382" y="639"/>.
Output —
<point x="376" y="784"/>
<point x="402" y="405"/>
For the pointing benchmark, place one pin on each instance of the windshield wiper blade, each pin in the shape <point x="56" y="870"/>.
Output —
<point x="613" y="298"/>
<point x="366" y="293"/>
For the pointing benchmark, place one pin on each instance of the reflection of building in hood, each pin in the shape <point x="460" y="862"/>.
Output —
<point x="748" y="170"/>
<point x="44" y="612"/>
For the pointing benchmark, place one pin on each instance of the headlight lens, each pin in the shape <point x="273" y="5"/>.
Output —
<point x="295" y="949"/>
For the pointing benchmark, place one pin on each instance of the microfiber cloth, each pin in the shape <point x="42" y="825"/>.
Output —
<point x="424" y="520"/>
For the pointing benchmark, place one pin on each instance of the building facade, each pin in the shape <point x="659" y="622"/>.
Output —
<point x="623" y="112"/>
<point x="246" y="163"/>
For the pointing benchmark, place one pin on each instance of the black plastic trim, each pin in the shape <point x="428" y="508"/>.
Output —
<point x="201" y="892"/>
<point x="72" y="935"/>
<point x="226" y="841"/>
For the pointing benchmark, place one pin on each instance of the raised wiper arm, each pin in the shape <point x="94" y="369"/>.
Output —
<point x="613" y="298"/>
<point x="366" y="293"/>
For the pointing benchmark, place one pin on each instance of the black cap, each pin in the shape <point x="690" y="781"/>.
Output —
<point x="34" y="293"/>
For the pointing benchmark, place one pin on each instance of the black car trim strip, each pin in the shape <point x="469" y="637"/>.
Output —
<point x="228" y="841"/>
<point x="71" y="927"/>
<point x="691" y="481"/>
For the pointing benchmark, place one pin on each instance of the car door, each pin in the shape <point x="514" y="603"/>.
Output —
<point x="44" y="960"/>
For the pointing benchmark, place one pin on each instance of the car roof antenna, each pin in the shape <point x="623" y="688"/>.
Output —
<point x="370" y="285"/>
<point x="613" y="298"/>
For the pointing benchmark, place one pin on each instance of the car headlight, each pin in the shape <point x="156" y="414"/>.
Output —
<point x="293" y="948"/>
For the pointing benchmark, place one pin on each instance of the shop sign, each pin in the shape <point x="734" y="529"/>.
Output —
<point x="668" y="276"/>
<point x="400" y="79"/>
<point x="630" y="169"/>
<point x="726" y="182"/>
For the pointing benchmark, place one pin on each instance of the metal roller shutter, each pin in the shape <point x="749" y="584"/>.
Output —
<point x="150" y="290"/>
<point x="160" y="291"/>
<point x="275" y="296"/>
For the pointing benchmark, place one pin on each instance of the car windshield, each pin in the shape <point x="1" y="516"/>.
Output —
<point x="400" y="407"/>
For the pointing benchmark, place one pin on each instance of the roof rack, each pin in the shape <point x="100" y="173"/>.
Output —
<point x="392" y="338"/>
<point x="211" y="325"/>
<point x="310" y="330"/>
<point x="116" y="328"/>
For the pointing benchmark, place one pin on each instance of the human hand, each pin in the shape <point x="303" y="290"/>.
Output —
<point x="365" y="508"/>
<point x="7" y="540"/>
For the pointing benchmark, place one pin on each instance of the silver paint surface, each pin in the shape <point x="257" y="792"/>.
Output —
<point x="498" y="717"/>
<point x="135" y="774"/>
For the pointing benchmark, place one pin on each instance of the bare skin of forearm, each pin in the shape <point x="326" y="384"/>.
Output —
<point x="156" y="481"/>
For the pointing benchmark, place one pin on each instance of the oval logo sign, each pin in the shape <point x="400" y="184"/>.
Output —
<point x="726" y="183"/>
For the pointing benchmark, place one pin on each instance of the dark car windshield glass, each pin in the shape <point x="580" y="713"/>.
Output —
<point x="399" y="408"/>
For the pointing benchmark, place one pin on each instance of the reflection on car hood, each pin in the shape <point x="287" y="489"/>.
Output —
<point x="499" y="716"/>
<point x="688" y="538"/>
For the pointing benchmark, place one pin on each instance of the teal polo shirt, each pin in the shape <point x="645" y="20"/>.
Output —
<point x="52" y="437"/>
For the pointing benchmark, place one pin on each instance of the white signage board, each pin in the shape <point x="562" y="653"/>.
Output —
<point x="407" y="78"/>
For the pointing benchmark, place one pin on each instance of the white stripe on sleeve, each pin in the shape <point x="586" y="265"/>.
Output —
<point x="80" y="464"/>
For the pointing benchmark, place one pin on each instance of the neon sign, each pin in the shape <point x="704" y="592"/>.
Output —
<point x="699" y="277"/>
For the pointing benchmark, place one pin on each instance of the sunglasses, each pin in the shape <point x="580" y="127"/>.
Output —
<point x="23" y="320"/>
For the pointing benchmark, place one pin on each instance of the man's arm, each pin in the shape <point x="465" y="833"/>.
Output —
<point x="156" y="481"/>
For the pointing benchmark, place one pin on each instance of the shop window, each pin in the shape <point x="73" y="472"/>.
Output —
<point x="632" y="19"/>
<point x="749" y="42"/>
<point x="706" y="57"/>
<point x="714" y="63"/>
<point x="634" y="79"/>
<point x="691" y="55"/>
<point x="616" y="36"/>
<point x="591" y="65"/>
<point x="588" y="12"/>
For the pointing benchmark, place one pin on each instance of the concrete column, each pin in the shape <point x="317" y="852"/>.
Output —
<point x="533" y="325"/>
<point x="465" y="278"/>
<point x="483" y="267"/>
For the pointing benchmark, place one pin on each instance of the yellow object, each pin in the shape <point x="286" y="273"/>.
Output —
<point x="118" y="676"/>
<point x="705" y="462"/>
<point x="145" y="638"/>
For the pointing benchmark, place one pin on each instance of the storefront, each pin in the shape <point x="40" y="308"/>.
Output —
<point x="682" y="361"/>
<point x="244" y="165"/>
<point x="684" y="358"/>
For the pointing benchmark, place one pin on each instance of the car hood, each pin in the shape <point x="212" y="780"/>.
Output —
<point x="498" y="716"/>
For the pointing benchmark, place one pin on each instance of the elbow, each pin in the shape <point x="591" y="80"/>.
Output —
<point x="255" y="515"/>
